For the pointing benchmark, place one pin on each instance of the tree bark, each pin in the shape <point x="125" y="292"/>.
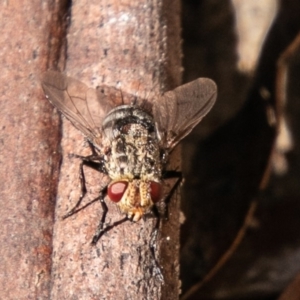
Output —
<point x="29" y="157"/>
<point x="134" y="46"/>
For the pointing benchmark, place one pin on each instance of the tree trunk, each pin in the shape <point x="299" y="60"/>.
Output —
<point x="134" y="46"/>
<point x="29" y="158"/>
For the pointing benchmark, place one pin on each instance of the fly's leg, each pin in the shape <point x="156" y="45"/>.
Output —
<point x="100" y="229"/>
<point x="171" y="175"/>
<point x="83" y="192"/>
<point x="153" y="243"/>
<point x="94" y="152"/>
<point x="86" y="161"/>
<point x="94" y="161"/>
<point x="94" y="156"/>
<point x="154" y="234"/>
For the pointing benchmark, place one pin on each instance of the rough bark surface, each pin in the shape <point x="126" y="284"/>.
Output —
<point x="29" y="159"/>
<point x="135" y="46"/>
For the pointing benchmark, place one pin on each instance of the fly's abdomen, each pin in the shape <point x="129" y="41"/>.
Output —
<point x="135" y="150"/>
<point x="120" y="119"/>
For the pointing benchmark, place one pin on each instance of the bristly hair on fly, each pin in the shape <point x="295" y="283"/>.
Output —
<point x="130" y="137"/>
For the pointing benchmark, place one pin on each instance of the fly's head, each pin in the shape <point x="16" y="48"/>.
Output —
<point x="135" y="197"/>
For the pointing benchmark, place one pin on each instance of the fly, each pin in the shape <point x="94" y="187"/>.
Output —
<point x="130" y="137"/>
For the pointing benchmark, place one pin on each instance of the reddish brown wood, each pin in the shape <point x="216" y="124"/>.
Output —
<point x="29" y="157"/>
<point x="135" y="46"/>
<point x="292" y="292"/>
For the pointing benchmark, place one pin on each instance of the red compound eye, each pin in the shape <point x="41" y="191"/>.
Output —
<point x="116" y="190"/>
<point x="155" y="191"/>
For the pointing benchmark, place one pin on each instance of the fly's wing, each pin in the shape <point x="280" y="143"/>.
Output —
<point x="178" y="111"/>
<point x="83" y="106"/>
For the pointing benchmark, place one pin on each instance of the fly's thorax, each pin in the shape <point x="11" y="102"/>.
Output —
<point x="134" y="197"/>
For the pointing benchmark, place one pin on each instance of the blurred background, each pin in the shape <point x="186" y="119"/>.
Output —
<point x="241" y="197"/>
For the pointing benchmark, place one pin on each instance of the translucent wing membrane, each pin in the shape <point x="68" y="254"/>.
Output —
<point x="83" y="106"/>
<point x="178" y="111"/>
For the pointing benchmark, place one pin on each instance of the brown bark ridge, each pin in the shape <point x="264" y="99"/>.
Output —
<point x="29" y="158"/>
<point x="134" y="46"/>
